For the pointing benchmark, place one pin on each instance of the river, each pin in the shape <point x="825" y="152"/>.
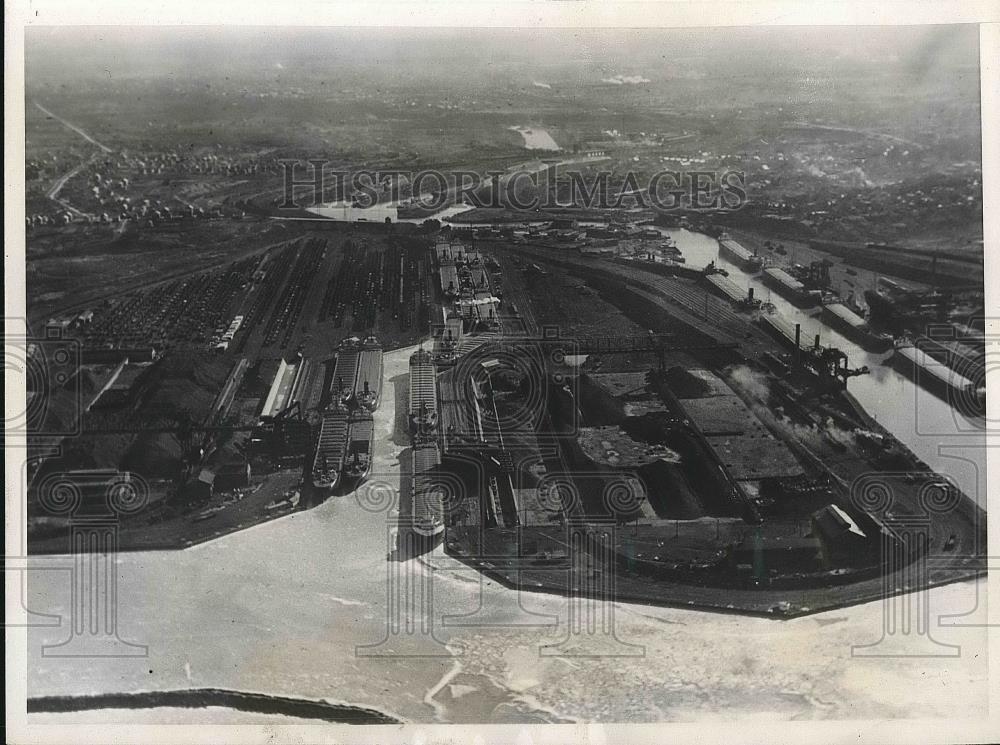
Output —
<point x="928" y="425"/>
<point x="536" y="139"/>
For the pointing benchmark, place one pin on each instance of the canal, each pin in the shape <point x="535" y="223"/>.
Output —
<point x="948" y="442"/>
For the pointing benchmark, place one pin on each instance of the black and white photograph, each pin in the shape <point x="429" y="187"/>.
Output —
<point x="406" y="379"/>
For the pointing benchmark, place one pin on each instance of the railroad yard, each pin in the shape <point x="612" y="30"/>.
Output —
<point x="192" y="379"/>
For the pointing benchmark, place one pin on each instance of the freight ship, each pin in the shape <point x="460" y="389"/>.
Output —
<point x="967" y="397"/>
<point x="368" y="385"/>
<point x="345" y="372"/>
<point x="358" y="458"/>
<point x="790" y="287"/>
<point x="423" y="406"/>
<point x="742" y="257"/>
<point x="428" y="495"/>
<point x="854" y="327"/>
<point x="330" y="449"/>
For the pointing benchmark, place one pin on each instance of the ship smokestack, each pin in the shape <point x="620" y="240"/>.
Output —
<point x="750" y="293"/>
<point x="816" y="343"/>
<point x="798" y="339"/>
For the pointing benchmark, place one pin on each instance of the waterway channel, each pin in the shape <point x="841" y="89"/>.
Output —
<point x="948" y="442"/>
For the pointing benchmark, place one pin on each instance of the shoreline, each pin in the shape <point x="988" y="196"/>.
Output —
<point x="201" y="698"/>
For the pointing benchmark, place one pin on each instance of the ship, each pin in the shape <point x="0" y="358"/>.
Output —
<point x="358" y="457"/>
<point x="740" y="298"/>
<point x="330" y="449"/>
<point x="855" y="328"/>
<point x="448" y="273"/>
<point x="966" y="396"/>
<point x="368" y="384"/>
<point x="427" y="494"/>
<point x="423" y="405"/>
<point x="790" y="287"/>
<point x="345" y="372"/>
<point x="742" y="257"/>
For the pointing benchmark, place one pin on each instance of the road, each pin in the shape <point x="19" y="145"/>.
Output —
<point x="53" y="193"/>
<point x="73" y="127"/>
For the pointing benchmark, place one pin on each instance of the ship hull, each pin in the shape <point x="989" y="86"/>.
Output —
<point x="863" y="336"/>
<point x="750" y="264"/>
<point x="957" y="393"/>
<point x="799" y="297"/>
<point x="368" y="386"/>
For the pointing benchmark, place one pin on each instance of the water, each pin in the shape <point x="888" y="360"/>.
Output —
<point x="536" y="139"/>
<point x="928" y="425"/>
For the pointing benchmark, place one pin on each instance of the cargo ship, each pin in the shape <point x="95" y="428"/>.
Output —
<point x="940" y="379"/>
<point x="423" y="405"/>
<point x="345" y="372"/>
<point x="358" y="457"/>
<point x="368" y="385"/>
<point x="742" y="257"/>
<point x="855" y="328"/>
<point x="331" y="446"/>
<point x="732" y="292"/>
<point x="789" y="287"/>
<point x="882" y="310"/>
<point x="449" y="279"/>
<point x="783" y="330"/>
<point x="427" y="494"/>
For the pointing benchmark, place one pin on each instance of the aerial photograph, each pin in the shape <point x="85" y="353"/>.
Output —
<point x="384" y="376"/>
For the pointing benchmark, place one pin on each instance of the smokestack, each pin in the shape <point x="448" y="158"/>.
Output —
<point x="798" y="339"/>
<point x="366" y="382"/>
<point x="816" y="344"/>
<point x="750" y="293"/>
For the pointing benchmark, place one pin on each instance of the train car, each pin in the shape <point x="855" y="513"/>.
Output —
<point x="368" y="385"/>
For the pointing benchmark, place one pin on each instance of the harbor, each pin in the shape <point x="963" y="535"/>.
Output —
<point x="882" y="392"/>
